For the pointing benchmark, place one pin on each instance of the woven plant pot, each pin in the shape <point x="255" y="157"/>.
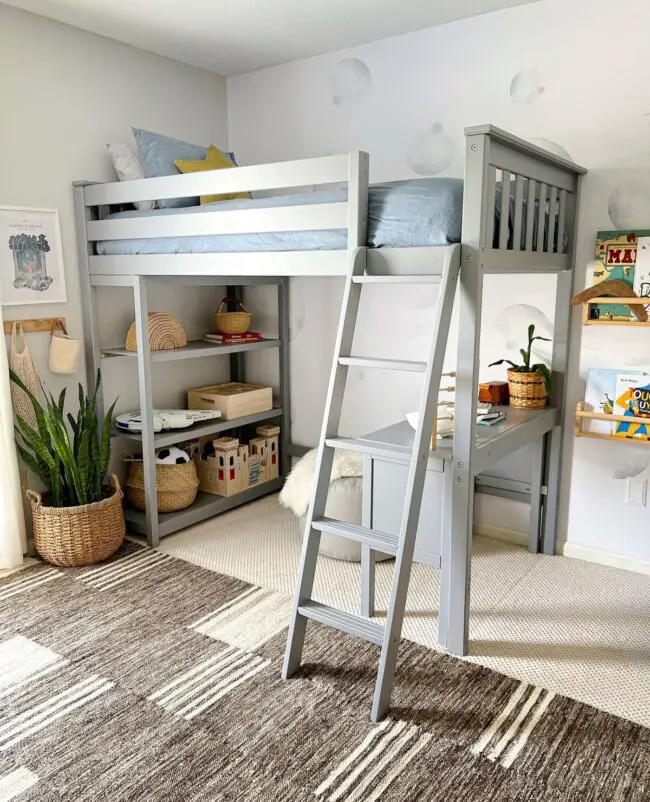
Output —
<point x="176" y="485"/>
<point x="238" y="322"/>
<point x="527" y="390"/>
<point x="165" y="332"/>
<point x="78" y="535"/>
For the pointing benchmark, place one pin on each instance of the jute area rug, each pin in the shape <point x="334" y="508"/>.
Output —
<point x="148" y="678"/>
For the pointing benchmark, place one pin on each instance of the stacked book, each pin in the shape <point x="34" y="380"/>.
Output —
<point x="231" y="339"/>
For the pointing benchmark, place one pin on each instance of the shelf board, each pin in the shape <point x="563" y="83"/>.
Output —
<point x="195" y="349"/>
<point x="206" y="505"/>
<point x="582" y="414"/>
<point x="171" y="436"/>
<point x="588" y="321"/>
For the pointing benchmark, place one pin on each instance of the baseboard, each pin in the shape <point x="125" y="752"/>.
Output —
<point x="500" y="533"/>
<point x="568" y="549"/>
<point x="602" y="557"/>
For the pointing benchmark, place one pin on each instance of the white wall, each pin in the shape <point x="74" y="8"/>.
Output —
<point x="65" y="93"/>
<point x="572" y="73"/>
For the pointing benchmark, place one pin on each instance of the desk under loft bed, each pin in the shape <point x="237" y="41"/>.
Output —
<point x="518" y="209"/>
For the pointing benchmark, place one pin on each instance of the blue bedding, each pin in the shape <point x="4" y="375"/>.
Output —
<point x="401" y="214"/>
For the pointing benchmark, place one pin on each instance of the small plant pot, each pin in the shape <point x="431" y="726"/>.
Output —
<point x="527" y="390"/>
<point x="78" y="535"/>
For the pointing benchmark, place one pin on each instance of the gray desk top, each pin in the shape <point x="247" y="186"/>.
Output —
<point x="402" y="434"/>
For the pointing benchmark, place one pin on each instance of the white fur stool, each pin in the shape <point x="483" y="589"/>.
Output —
<point x="343" y="499"/>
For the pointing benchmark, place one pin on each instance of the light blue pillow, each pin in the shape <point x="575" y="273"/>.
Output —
<point x="159" y="152"/>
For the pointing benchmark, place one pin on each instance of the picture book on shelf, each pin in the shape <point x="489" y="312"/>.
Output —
<point x="601" y="395"/>
<point x="623" y="255"/>
<point x="633" y="400"/>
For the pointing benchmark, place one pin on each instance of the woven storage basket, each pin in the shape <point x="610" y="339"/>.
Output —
<point x="176" y="485"/>
<point x="78" y="535"/>
<point x="238" y="322"/>
<point x="165" y="332"/>
<point x="527" y="390"/>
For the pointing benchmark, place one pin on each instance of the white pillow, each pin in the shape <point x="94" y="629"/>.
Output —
<point x="128" y="168"/>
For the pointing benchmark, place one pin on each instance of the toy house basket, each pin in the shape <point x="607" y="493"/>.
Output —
<point x="232" y="322"/>
<point x="176" y="485"/>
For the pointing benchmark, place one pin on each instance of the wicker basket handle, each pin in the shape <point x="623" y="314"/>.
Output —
<point x="34" y="496"/>
<point x="226" y="299"/>
<point x="115" y="484"/>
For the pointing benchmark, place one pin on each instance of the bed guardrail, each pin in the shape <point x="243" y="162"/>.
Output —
<point x="528" y="204"/>
<point x="350" y="169"/>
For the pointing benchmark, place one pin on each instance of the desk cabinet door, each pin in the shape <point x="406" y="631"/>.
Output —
<point x="389" y="488"/>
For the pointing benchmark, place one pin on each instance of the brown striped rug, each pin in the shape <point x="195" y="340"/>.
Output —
<point x="147" y="678"/>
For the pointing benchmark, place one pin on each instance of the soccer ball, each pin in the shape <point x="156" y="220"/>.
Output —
<point x="171" y="456"/>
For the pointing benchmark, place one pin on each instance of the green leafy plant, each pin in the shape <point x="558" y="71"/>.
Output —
<point x="71" y="462"/>
<point x="526" y="367"/>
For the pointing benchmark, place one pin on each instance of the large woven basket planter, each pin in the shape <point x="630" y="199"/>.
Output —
<point x="78" y="535"/>
<point x="527" y="390"/>
<point x="177" y="485"/>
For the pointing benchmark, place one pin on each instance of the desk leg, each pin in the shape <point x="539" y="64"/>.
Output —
<point x="534" y="530"/>
<point x="367" y="554"/>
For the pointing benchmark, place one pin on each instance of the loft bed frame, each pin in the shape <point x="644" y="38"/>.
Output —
<point x="538" y="191"/>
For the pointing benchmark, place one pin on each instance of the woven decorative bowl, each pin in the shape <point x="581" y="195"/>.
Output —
<point x="176" y="485"/>
<point x="527" y="390"/>
<point x="238" y="322"/>
<point x="165" y="332"/>
<point x="78" y="535"/>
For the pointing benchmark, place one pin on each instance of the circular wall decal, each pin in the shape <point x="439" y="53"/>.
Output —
<point x="552" y="147"/>
<point x="629" y="206"/>
<point x="431" y="152"/>
<point x="526" y="86"/>
<point x="350" y="81"/>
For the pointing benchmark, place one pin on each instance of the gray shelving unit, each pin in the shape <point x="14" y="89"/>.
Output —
<point x="151" y="523"/>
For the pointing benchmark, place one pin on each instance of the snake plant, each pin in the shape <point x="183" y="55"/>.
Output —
<point x="71" y="462"/>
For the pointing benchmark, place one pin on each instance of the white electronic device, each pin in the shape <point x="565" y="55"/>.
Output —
<point x="165" y="419"/>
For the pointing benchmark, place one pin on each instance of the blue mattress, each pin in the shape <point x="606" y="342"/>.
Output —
<point x="401" y="214"/>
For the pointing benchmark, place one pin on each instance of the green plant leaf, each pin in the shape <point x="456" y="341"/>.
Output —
<point x="546" y="375"/>
<point x="31" y="462"/>
<point x="501" y="361"/>
<point x="546" y="339"/>
<point x="531" y="332"/>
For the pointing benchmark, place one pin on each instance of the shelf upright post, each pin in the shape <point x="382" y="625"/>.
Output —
<point x="141" y="304"/>
<point x="285" y="374"/>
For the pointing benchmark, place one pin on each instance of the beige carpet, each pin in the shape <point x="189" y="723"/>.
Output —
<point x="578" y="629"/>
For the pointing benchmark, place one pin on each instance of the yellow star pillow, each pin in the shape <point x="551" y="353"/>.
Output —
<point x="215" y="160"/>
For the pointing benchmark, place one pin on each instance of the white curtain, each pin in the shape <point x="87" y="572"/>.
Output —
<point x="12" y="519"/>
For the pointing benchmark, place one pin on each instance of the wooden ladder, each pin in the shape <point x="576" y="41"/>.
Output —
<point x="305" y="608"/>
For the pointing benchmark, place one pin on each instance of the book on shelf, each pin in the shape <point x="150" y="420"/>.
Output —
<point x="633" y="400"/>
<point x="617" y="391"/>
<point x="229" y="339"/>
<point x="623" y="255"/>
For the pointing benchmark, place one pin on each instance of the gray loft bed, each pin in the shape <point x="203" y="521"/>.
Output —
<point x="528" y="228"/>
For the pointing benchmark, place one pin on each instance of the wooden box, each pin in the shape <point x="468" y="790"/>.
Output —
<point x="233" y="399"/>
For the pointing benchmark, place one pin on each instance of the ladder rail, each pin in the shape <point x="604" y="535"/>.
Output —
<point x="324" y="460"/>
<point x="415" y="485"/>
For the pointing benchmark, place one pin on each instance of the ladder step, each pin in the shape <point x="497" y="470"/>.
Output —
<point x="351" y="624"/>
<point x="387" y="450"/>
<point x="380" y="541"/>
<point x="382" y="364"/>
<point x="410" y="279"/>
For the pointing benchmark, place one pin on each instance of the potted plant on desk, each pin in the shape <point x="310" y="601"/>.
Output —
<point x="529" y="385"/>
<point x="78" y="520"/>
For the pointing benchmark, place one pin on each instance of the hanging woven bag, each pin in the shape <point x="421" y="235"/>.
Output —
<point x="22" y="364"/>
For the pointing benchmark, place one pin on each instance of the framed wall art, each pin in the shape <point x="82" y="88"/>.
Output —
<point x="31" y="257"/>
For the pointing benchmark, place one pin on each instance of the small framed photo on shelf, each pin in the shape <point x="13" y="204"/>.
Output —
<point x="31" y="257"/>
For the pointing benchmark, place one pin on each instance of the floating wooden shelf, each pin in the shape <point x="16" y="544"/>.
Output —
<point x="582" y="414"/>
<point x="588" y="321"/>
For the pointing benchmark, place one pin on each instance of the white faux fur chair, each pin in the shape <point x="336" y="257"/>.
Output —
<point x="343" y="500"/>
